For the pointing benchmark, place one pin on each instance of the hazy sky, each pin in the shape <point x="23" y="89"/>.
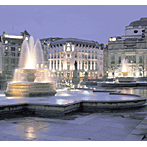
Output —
<point x="91" y="22"/>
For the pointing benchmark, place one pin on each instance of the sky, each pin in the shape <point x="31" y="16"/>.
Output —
<point x="89" y="22"/>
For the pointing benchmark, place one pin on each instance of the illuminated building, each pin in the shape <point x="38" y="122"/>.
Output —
<point x="133" y="47"/>
<point x="10" y="47"/>
<point x="63" y="53"/>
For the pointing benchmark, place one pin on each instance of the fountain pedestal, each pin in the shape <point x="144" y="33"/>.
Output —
<point x="75" y="79"/>
<point x="30" y="89"/>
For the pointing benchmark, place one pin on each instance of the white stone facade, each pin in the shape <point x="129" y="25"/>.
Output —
<point x="133" y="47"/>
<point x="63" y="53"/>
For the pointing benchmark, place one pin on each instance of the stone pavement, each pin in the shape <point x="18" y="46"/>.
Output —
<point x="77" y="126"/>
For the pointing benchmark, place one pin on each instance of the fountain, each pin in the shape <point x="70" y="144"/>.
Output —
<point x="31" y="78"/>
<point x="124" y="67"/>
<point x="124" y="70"/>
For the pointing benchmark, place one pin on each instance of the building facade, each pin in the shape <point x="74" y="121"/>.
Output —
<point x="10" y="47"/>
<point x="63" y="53"/>
<point x="132" y="47"/>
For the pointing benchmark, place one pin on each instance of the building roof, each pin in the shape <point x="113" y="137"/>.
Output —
<point x="141" y="22"/>
<point x="75" y="41"/>
<point x="25" y="33"/>
<point x="51" y="39"/>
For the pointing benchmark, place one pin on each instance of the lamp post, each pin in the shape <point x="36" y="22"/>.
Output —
<point x="132" y="68"/>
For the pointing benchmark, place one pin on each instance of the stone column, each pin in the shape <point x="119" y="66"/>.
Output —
<point x="56" y="64"/>
<point x="94" y="65"/>
<point x="90" y="65"/>
<point x="60" y="64"/>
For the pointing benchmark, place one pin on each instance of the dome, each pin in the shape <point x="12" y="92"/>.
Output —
<point x="141" y="22"/>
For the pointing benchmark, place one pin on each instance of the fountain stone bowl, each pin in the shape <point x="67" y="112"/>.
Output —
<point x="30" y="87"/>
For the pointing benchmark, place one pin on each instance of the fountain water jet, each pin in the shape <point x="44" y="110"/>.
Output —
<point x="31" y="78"/>
<point x="124" y="70"/>
<point x="124" y="67"/>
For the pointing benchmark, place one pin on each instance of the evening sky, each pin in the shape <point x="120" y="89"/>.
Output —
<point x="90" y="22"/>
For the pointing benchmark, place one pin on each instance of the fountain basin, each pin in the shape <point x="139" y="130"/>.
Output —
<point x="30" y="89"/>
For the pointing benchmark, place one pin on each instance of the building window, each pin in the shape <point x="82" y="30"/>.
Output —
<point x="95" y="65"/>
<point x="18" y="54"/>
<point x="82" y="65"/>
<point x="12" y="54"/>
<point x="75" y="55"/>
<point x="140" y="59"/>
<point x="55" y="65"/>
<point x="92" y="65"/>
<point x="134" y="59"/>
<point x="6" y="61"/>
<point x="12" y="48"/>
<point x="89" y="65"/>
<point x="6" y="48"/>
<point x="12" y="67"/>
<point x="135" y="31"/>
<point x="68" y="46"/>
<point x="140" y="46"/>
<point x="12" y="60"/>
<point x="131" y="59"/>
<point x="112" y="59"/>
<point x="85" y="56"/>
<point x="82" y="56"/>
<point x="68" y="55"/>
<point x="6" y="54"/>
<point x="119" y="60"/>
<point x="6" y="41"/>
<point x="19" y="49"/>
<point x="6" y="68"/>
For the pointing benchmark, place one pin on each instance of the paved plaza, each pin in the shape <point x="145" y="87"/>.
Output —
<point x="126" y="125"/>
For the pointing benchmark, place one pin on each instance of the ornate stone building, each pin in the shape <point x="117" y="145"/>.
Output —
<point x="133" y="47"/>
<point x="10" y="47"/>
<point x="63" y="53"/>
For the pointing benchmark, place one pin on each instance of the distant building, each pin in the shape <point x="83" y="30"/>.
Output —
<point x="62" y="54"/>
<point x="104" y="47"/>
<point x="10" y="47"/>
<point x="133" y="47"/>
<point x="45" y="43"/>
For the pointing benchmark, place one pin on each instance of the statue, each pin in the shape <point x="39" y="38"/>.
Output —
<point x="75" y="65"/>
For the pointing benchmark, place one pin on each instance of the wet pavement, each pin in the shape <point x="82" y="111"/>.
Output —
<point x="78" y="126"/>
<point x="113" y="125"/>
